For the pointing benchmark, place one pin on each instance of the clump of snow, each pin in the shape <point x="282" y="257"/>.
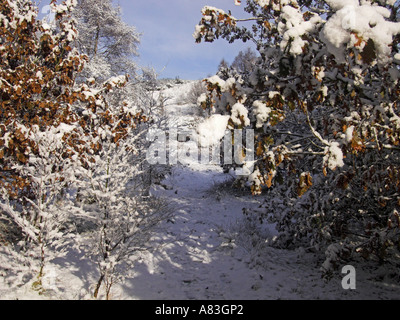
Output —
<point x="116" y="80"/>
<point x="333" y="156"/>
<point x="294" y="28"/>
<point x="202" y="98"/>
<point x="66" y="6"/>
<point x="277" y="5"/>
<point x="212" y="130"/>
<point x="239" y="115"/>
<point x="254" y="178"/>
<point x="324" y="90"/>
<point x="217" y="80"/>
<point x="210" y="8"/>
<point x="319" y="72"/>
<point x="272" y="94"/>
<point x="367" y="21"/>
<point x="211" y="15"/>
<point x="340" y="4"/>
<point x="262" y="112"/>
<point x="197" y="31"/>
<point x="349" y="134"/>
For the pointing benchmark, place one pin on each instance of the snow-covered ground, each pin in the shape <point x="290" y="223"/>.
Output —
<point x="207" y="250"/>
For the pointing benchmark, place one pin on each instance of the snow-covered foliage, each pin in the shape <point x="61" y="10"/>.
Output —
<point x="39" y="154"/>
<point x="110" y="192"/>
<point x="323" y="100"/>
<point x="70" y="152"/>
<point x="42" y="215"/>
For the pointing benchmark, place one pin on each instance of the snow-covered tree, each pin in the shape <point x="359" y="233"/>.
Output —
<point x="44" y="213"/>
<point x="111" y="192"/>
<point x="223" y="64"/>
<point x="37" y="72"/>
<point x="244" y="62"/>
<point x="110" y="43"/>
<point x="39" y="148"/>
<point x="323" y="101"/>
<point x="68" y="150"/>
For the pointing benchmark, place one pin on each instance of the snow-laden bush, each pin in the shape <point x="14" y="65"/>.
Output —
<point x="111" y="192"/>
<point x="70" y="152"/>
<point x="39" y="150"/>
<point x="323" y="101"/>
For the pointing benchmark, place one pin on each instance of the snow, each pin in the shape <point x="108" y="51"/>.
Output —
<point x="197" y="31"/>
<point x="261" y="112"/>
<point x="349" y="134"/>
<point x="212" y="130"/>
<point x="116" y="80"/>
<point x="239" y="113"/>
<point x="180" y="113"/>
<point x="340" y="4"/>
<point x="204" y="252"/>
<point x="210" y="8"/>
<point x="333" y="156"/>
<point x="207" y="250"/>
<point x="294" y="28"/>
<point x="217" y="80"/>
<point x="367" y="21"/>
<point x="276" y="5"/>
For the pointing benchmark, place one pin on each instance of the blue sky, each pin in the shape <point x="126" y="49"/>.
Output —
<point x="167" y="43"/>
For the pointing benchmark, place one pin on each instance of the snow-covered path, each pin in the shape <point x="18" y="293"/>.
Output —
<point x="196" y="261"/>
<point x="209" y="250"/>
<point x="203" y="255"/>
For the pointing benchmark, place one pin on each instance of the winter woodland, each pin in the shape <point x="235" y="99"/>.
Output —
<point x="262" y="181"/>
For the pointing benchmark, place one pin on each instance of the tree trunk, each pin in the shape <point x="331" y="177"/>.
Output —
<point x="96" y="291"/>
<point x="96" y="41"/>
